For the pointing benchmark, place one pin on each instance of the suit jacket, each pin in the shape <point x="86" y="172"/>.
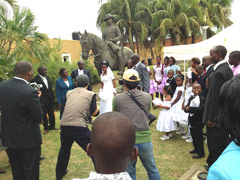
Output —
<point x="200" y="80"/>
<point x="21" y="115"/>
<point x="204" y="81"/>
<point x="87" y="72"/>
<point x="172" y="83"/>
<point x="222" y="74"/>
<point x="47" y="97"/>
<point x="144" y="76"/>
<point x="62" y="89"/>
<point x="196" y="120"/>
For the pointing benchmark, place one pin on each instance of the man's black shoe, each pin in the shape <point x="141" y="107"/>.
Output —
<point x="192" y="151"/>
<point x="42" y="158"/>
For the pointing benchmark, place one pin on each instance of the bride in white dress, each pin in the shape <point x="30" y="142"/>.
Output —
<point x="108" y="88"/>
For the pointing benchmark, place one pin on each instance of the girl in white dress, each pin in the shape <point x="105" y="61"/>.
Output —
<point x="165" y="121"/>
<point x="108" y="88"/>
<point x="178" y="97"/>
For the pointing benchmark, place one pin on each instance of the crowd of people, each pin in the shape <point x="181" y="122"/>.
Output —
<point x="206" y="95"/>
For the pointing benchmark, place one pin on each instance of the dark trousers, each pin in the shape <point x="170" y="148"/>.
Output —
<point x="69" y="134"/>
<point x="48" y="110"/>
<point x="218" y="140"/>
<point x="197" y="136"/>
<point x="24" y="163"/>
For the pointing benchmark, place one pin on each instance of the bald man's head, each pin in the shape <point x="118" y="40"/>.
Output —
<point x="206" y="61"/>
<point x="112" y="140"/>
<point x="135" y="58"/>
<point x="23" y="69"/>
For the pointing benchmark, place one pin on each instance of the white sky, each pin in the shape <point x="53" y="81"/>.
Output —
<point x="59" y="18"/>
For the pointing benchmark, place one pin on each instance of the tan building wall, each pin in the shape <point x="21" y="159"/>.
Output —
<point x="71" y="47"/>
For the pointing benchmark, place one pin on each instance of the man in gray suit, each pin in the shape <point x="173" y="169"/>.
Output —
<point x="142" y="71"/>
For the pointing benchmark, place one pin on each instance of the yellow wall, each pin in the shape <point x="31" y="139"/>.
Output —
<point x="71" y="47"/>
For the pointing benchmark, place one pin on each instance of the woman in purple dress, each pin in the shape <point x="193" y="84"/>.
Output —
<point x="164" y="76"/>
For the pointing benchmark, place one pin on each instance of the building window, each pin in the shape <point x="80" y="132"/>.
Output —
<point x="66" y="57"/>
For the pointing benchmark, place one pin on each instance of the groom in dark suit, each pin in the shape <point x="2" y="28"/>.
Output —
<point x="142" y="71"/>
<point x="47" y="99"/>
<point x="81" y="70"/>
<point x="21" y="115"/>
<point x="217" y="136"/>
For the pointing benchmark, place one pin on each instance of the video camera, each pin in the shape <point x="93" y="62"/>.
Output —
<point x="36" y="86"/>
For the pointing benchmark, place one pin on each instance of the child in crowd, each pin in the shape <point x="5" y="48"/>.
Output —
<point x="171" y="81"/>
<point x="111" y="147"/>
<point x="165" y="122"/>
<point x="178" y="113"/>
<point x="151" y="89"/>
<point x="157" y="76"/>
<point x="192" y="74"/>
<point x="195" y="108"/>
<point x="172" y="65"/>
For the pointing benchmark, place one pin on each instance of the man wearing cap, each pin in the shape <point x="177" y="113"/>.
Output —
<point x="80" y="103"/>
<point x="112" y="35"/>
<point x="124" y="104"/>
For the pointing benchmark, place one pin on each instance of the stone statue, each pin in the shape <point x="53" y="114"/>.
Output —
<point x="112" y="35"/>
<point x="103" y="52"/>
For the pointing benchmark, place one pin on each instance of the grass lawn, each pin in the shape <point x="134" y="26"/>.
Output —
<point x="172" y="156"/>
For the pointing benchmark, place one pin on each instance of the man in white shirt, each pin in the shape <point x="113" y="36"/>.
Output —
<point x="47" y="99"/>
<point x="111" y="147"/>
<point x="81" y="70"/>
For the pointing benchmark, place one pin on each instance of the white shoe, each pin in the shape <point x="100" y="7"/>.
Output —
<point x="189" y="140"/>
<point x="164" y="137"/>
<point x="170" y="135"/>
<point x="185" y="137"/>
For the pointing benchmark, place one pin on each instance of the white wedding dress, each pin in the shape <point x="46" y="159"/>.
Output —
<point x="106" y="94"/>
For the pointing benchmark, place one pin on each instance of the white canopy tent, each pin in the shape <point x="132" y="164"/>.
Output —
<point x="229" y="37"/>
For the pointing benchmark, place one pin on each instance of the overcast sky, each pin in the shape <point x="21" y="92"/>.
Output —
<point x="59" y="18"/>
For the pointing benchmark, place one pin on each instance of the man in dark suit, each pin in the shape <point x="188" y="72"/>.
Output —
<point x="217" y="136"/>
<point x="21" y="115"/>
<point x="208" y="70"/>
<point x="142" y="71"/>
<point x="46" y="99"/>
<point x="201" y="74"/>
<point x="81" y="70"/>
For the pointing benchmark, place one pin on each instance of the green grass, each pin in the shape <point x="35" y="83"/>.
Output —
<point x="172" y="157"/>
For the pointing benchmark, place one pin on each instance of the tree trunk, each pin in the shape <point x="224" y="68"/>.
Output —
<point x="152" y="53"/>
<point x="137" y="41"/>
<point x="130" y="38"/>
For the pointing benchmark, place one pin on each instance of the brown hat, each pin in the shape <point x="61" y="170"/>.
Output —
<point x="108" y="16"/>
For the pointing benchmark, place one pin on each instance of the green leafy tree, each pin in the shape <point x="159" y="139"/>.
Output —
<point x="19" y="40"/>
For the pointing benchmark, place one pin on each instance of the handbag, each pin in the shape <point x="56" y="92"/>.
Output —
<point x="150" y="116"/>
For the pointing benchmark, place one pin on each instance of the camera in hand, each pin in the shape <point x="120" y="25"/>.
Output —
<point x="36" y="86"/>
<point x="120" y="81"/>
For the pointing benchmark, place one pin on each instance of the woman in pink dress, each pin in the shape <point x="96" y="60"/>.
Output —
<point x="164" y="76"/>
<point x="157" y="76"/>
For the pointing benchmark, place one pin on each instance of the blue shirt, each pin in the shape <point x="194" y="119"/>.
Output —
<point x="174" y="68"/>
<point x="227" y="166"/>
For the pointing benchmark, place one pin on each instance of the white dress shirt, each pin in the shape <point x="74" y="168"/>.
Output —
<point x="80" y="71"/>
<point x="21" y="79"/>
<point x="219" y="63"/>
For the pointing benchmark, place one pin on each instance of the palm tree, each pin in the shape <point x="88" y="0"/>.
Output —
<point x="19" y="39"/>
<point x="178" y="19"/>
<point x="217" y="14"/>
